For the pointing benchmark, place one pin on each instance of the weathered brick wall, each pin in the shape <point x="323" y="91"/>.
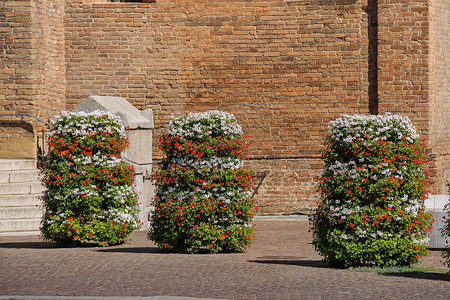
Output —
<point x="403" y="50"/>
<point x="439" y="64"/>
<point x="31" y="63"/>
<point x="49" y="57"/>
<point x="289" y="186"/>
<point x="107" y="48"/>
<point x="283" y="68"/>
<point x="15" y="64"/>
<point x="413" y="73"/>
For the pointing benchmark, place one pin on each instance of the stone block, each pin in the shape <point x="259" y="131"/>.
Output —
<point x="148" y="114"/>
<point x="8" y="226"/>
<point x="36" y="187"/>
<point x="436" y="204"/>
<point x="17" y="164"/>
<point x="20" y="200"/>
<point x="139" y="132"/>
<point x="130" y="116"/>
<point x="4" y="177"/>
<point x="140" y="149"/>
<point x="27" y="164"/>
<point x="14" y="213"/>
<point x="9" y="164"/>
<point x="23" y="176"/>
<point x="18" y="148"/>
<point x="15" y="188"/>
<point x="437" y="240"/>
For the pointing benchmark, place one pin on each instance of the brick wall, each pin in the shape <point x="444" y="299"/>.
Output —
<point x="439" y="64"/>
<point x="403" y="50"/>
<point x="413" y="64"/>
<point x="31" y="63"/>
<point x="289" y="186"/>
<point x="48" y="57"/>
<point x="15" y="64"/>
<point x="283" y="68"/>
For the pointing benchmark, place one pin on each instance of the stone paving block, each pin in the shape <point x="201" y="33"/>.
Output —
<point x="281" y="264"/>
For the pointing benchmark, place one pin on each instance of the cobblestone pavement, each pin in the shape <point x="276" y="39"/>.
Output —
<point x="282" y="264"/>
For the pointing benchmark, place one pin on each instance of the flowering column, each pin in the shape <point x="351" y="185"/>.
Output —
<point x="373" y="190"/>
<point x="89" y="187"/>
<point x="203" y="201"/>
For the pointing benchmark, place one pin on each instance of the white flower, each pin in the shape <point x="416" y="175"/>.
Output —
<point x="198" y="125"/>
<point x="374" y="127"/>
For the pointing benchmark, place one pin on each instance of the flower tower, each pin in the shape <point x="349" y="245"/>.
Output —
<point x="89" y="192"/>
<point x="373" y="189"/>
<point x="204" y="198"/>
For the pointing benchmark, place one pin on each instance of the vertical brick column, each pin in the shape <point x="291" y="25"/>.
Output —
<point x="48" y="44"/>
<point x="413" y="75"/>
<point x="439" y="64"/>
<point x="403" y="51"/>
<point x="16" y="77"/>
<point x="32" y="63"/>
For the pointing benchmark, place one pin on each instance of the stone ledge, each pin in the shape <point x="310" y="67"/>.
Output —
<point x="17" y="148"/>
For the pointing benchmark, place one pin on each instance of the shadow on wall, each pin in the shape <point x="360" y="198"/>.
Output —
<point x="13" y="126"/>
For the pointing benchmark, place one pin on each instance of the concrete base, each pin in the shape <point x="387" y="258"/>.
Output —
<point x="436" y="204"/>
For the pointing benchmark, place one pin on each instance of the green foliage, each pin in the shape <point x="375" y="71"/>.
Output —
<point x="372" y="193"/>
<point x="89" y="187"/>
<point x="203" y="201"/>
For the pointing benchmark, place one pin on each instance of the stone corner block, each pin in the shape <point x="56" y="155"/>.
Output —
<point x="131" y="117"/>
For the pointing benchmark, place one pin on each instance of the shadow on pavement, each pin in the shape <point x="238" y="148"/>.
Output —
<point x="420" y="275"/>
<point x="26" y="245"/>
<point x="132" y="250"/>
<point x="294" y="261"/>
<point x="44" y="245"/>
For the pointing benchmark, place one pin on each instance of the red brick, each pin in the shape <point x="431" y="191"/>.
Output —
<point x="284" y="70"/>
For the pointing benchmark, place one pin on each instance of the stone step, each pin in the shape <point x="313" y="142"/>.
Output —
<point x="17" y="164"/>
<point x="23" y="212"/>
<point x="19" y="176"/>
<point x="20" y="200"/>
<point x="21" y="188"/>
<point x="19" y="225"/>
